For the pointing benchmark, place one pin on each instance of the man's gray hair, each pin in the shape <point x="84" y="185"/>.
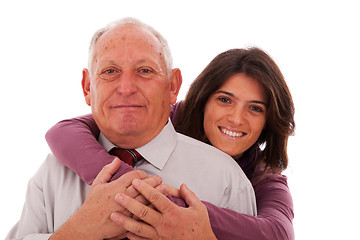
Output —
<point x="165" y="47"/>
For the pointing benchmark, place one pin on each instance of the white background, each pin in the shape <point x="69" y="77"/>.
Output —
<point x="43" y="49"/>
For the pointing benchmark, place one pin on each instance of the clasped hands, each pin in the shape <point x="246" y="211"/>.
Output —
<point x="106" y="212"/>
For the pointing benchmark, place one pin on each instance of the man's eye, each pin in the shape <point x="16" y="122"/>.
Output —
<point x="145" y="70"/>
<point x="110" y="74"/>
<point x="110" y="71"/>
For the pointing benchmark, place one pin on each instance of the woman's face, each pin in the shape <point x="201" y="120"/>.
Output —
<point x="235" y="114"/>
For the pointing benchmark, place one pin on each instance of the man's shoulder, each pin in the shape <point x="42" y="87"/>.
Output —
<point x="51" y="164"/>
<point x="202" y="148"/>
<point x="201" y="154"/>
<point x="53" y="172"/>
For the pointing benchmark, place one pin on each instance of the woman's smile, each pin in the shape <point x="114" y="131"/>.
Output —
<point x="232" y="133"/>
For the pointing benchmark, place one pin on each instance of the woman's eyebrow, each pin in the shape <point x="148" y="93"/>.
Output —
<point x="226" y="93"/>
<point x="259" y="102"/>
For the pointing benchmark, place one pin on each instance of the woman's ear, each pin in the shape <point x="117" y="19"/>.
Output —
<point x="85" y="83"/>
<point x="175" y="84"/>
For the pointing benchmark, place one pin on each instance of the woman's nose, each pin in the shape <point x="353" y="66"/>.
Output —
<point x="237" y="116"/>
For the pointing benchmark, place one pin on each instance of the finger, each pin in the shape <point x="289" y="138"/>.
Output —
<point x="140" y="210"/>
<point x="139" y="229"/>
<point x="132" y="236"/>
<point x="146" y="203"/>
<point x="125" y="180"/>
<point x="152" y="181"/>
<point x="122" y="236"/>
<point x="155" y="197"/>
<point x="107" y="171"/>
<point x="168" y="190"/>
<point x="190" y="198"/>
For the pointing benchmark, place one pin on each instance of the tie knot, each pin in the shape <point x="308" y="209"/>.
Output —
<point x="129" y="156"/>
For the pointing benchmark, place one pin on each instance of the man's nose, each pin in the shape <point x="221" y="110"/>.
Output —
<point x="127" y="83"/>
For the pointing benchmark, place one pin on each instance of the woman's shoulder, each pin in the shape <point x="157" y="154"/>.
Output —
<point x="175" y="110"/>
<point x="271" y="187"/>
<point x="268" y="176"/>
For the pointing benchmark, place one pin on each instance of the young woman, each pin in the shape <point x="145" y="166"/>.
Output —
<point x="240" y="104"/>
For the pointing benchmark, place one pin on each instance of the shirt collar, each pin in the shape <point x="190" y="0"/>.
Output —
<point x="105" y="142"/>
<point x="157" y="151"/>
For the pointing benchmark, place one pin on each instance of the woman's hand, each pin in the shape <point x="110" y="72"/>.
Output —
<point x="168" y="190"/>
<point x="170" y="221"/>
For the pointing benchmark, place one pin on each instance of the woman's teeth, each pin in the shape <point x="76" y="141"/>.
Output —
<point x="231" y="133"/>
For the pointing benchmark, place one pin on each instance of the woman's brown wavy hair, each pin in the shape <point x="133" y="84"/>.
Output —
<point x="257" y="64"/>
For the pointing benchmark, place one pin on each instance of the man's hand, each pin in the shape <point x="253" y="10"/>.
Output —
<point x="92" y="220"/>
<point x="170" y="221"/>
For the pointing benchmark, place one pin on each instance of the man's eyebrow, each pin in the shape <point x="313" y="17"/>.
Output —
<point x="147" y="61"/>
<point x="150" y="62"/>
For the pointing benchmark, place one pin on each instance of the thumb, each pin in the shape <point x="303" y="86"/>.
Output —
<point x="107" y="171"/>
<point x="190" y="198"/>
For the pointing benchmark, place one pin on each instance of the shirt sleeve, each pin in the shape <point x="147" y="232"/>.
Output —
<point x="274" y="219"/>
<point x="33" y="221"/>
<point x="73" y="142"/>
<point x="239" y="194"/>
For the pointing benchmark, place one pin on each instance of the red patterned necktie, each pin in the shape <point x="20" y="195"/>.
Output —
<point x="129" y="156"/>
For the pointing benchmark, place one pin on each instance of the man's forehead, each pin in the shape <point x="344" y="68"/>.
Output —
<point x="127" y="40"/>
<point x="128" y="32"/>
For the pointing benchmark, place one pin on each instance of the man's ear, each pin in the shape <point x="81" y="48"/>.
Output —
<point x="175" y="84"/>
<point x="85" y="83"/>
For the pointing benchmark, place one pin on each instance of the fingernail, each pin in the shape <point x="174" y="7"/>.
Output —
<point x="136" y="182"/>
<point x="119" y="197"/>
<point x="114" y="216"/>
<point x="185" y="186"/>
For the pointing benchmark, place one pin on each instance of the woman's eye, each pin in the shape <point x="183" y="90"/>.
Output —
<point x="224" y="99"/>
<point x="256" y="109"/>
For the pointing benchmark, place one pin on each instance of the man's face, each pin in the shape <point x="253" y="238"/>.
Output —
<point x="128" y="88"/>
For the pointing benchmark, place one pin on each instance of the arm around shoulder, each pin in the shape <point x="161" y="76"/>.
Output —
<point x="274" y="219"/>
<point x="70" y="137"/>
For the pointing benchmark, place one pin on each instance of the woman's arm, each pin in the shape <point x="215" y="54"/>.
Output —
<point x="275" y="214"/>
<point x="73" y="142"/>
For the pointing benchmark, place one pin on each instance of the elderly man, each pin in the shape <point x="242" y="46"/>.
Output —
<point x="129" y="85"/>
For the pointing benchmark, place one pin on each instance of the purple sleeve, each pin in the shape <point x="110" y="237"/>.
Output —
<point x="274" y="219"/>
<point x="175" y="111"/>
<point x="73" y="142"/>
